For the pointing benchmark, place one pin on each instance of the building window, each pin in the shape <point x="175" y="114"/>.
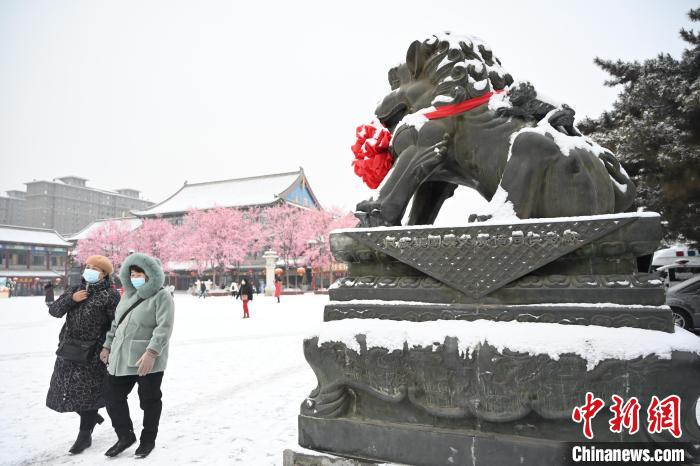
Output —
<point x="58" y="262"/>
<point x="18" y="258"/>
<point x="38" y="260"/>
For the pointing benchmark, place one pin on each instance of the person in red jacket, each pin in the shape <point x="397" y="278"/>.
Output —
<point x="278" y="288"/>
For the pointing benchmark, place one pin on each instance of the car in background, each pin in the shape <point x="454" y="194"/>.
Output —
<point x="672" y="255"/>
<point x="684" y="301"/>
<point x="674" y="274"/>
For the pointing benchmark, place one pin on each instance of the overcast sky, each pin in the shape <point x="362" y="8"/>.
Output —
<point x="148" y="94"/>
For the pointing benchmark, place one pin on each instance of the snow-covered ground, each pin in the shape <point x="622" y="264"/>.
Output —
<point x="231" y="392"/>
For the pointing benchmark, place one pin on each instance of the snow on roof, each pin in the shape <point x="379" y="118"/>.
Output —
<point x="132" y="223"/>
<point x="241" y="192"/>
<point x="30" y="273"/>
<point x="27" y="235"/>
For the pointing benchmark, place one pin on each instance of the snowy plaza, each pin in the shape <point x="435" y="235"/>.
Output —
<point x="233" y="387"/>
<point x="231" y="392"/>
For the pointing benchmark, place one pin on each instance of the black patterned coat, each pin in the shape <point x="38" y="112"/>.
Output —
<point x="75" y="386"/>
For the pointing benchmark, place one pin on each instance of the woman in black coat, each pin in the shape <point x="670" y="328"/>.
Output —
<point x="89" y="310"/>
<point x="245" y="292"/>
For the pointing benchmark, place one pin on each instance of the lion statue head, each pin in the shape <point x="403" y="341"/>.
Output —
<point x="443" y="69"/>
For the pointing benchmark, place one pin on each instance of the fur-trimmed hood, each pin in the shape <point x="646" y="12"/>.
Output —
<point x="153" y="269"/>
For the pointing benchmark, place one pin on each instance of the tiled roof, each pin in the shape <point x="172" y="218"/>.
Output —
<point x="28" y="235"/>
<point x="131" y="223"/>
<point x="241" y="192"/>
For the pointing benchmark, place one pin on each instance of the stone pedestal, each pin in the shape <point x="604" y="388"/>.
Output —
<point x="270" y="260"/>
<point x="293" y="458"/>
<point x="445" y="399"/>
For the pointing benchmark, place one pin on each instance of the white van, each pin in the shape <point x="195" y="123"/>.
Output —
<point x="677" y="254"/>
<point x="676" y="264"/>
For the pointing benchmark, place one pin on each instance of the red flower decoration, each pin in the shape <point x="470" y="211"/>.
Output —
<point x="372" y="158"/>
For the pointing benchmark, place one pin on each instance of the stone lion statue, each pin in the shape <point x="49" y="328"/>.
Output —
<point x="518" y="150"/>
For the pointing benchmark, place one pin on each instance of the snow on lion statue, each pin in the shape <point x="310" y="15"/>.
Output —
<point x="455" y="117"/>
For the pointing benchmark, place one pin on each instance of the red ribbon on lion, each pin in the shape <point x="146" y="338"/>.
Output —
<point x="372" y="157"/>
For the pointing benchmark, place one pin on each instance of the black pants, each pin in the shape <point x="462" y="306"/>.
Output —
<point x="88" y="419"/>
<point x="116" y="391"/>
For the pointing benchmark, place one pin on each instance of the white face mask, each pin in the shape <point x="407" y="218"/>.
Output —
<point x="91" y="275"/>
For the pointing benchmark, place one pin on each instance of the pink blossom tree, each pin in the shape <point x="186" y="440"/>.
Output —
<point x="112" y="240"/>
<point x="285" y="230"/>
<point x="154" y="237"/>
<point x="217" y="238"/>
<point x="321" y="223"/>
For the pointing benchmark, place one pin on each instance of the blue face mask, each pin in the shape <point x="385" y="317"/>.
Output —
<point x="91" y="276"/>
<point x="138" y="282"/>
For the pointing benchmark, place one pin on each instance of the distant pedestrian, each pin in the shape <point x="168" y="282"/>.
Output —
<point x="10" y="287"/>
<point x="48" y="293"/>
<point x="202" y="290"/>
<point x="245" y="292"/>
<point x="233" y="289"/>
<point x="171" y="288"/>
<point x="278" y="288"/>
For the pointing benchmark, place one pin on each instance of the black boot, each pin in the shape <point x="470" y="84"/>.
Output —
<point x="145" y="448"/>
<point x="83" y="441"/>
<point x="124" y="442"/>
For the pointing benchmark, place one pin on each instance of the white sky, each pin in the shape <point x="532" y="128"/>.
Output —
<point x="148" y="94"/>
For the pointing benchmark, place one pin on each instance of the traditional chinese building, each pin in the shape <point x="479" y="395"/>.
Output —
<point x="241" y="193"/>
<point x="31" y="257"/>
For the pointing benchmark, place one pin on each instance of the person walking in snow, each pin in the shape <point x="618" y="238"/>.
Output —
<point x="202" y="289"/>
<point x="233" y="289"/>
<point x="136" y="351"/>
<point x="245" y="292"/>
<point x="78" y="373"/>
<point x="278" y="288"/>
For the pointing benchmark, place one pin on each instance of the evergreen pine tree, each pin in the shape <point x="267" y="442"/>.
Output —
<point x="654" y="128"/>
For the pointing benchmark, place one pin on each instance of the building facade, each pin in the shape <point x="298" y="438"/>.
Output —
<point x="240" y="193"/>
<point x="12" y="208"/>
<point x="67" y="205"/>
<point x="290" y="188"/>
<point x="31" y="257"/>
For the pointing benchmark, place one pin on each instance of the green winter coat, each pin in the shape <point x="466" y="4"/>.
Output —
<point x="148" y="326"/>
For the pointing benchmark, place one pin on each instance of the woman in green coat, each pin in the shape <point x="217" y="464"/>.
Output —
<point x="136" y="351"/>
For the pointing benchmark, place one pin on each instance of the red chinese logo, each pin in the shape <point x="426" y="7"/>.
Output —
<point x="665" y="415"/>
<point x="661" y="415"/>
<point x="626" y="415"/>
<point x="587" y="412"/>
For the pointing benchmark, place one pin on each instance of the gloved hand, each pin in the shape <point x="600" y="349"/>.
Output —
<point x="104" y="355"/>
<point x="146" y="362"/>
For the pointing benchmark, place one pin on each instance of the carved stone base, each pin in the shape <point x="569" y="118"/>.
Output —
<point x="424" y="445"/>
<point x="293" y="458"/>
<point x="416" y="402"/>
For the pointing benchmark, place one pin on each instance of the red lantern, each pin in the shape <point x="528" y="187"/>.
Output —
<point x="279" y="271"/>
<point x="301" y="271"/>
